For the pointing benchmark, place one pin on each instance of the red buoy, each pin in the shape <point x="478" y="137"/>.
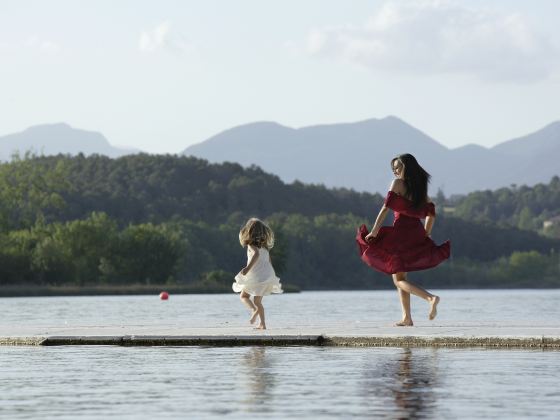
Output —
<point x="164" y="295"/>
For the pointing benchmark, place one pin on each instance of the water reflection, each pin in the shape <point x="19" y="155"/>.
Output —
<point x="257" y="364"/>
<point x="416" y="378"/>
<point x="404" y="384"/>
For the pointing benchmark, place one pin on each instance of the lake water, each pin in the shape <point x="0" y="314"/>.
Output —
<point x="267" y="382"/>
<point x="519" y="307"/>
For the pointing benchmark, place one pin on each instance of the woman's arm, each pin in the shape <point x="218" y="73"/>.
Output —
<point x="429" y="224"/>
<point x="398" y="187"/>
<point x="252" y="260"/>
<point x="378" y="223"/>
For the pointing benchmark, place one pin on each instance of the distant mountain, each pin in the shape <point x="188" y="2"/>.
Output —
<point x="357" y="155"/>
<point x="352" y="155"/>
<point x="535" y="156"/>
<point x="52" y="139"/>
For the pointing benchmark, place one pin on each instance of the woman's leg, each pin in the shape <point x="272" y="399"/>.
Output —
<point x="404" y="284"/>
<point x="260" y="310"/>
<point x="404" y="297"/>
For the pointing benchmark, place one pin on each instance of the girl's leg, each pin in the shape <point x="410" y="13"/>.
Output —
<point x="254" y="316"/>
<point x="404" y="297"/>
<point x="403" y="283"/>
<point x="260" y="308"/>
<point x="245" y="298"/>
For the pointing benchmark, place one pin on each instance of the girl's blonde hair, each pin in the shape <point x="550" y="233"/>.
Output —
<point x="257" y="233"/>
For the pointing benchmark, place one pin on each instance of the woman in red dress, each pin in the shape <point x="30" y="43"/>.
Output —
<point x="406" y="246"/>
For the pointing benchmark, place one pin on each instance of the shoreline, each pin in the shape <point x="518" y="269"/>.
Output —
<point x="118" y="290"/>
<point x="147" y="290"/>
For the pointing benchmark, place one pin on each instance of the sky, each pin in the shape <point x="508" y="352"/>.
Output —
<point x="162" y="75"/>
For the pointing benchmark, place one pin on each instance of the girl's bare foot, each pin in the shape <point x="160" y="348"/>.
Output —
<point x="261" y="327"/>
<point x="254" y="316"/>
<point x="433" y="307"/>
<point x="404" y="323"/>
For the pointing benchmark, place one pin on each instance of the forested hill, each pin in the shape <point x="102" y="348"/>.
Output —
<point x="517" y="206"/>
<point x="141" y="188"/>
<point x="142" y="218"/>
<point x="146" y="188"/>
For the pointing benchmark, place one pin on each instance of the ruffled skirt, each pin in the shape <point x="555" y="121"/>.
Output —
<point x="401" y="249"/>
<point x="256" y="286"/>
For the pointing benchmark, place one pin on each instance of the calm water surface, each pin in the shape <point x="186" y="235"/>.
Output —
<point x="266" y="382"/>
<point x="514" y="307"/>
<point x="258" y="382"/>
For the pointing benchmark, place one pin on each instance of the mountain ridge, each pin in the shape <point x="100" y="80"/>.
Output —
<point x="352" y="155"/>
<point x="55" y="138"/>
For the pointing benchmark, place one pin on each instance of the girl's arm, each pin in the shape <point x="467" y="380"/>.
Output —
<point x="378" y="223"/>
<point x="252" y="261"/>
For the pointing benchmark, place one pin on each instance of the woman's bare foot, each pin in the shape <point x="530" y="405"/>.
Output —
<point x="261" y="327"/>
<point x="404" y="323"/>
<point x="433" y="307"/>
<point x="254" y="316"/>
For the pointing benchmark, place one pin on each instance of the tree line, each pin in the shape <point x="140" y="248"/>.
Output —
<point x="147" y="188"/>
<point x="166" y="219"/>
<point x="523" y="207"/>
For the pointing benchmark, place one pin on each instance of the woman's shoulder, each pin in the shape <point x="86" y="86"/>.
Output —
<point x="398" y="186"/>
<point x="396" y="200"/>
<point x="397" y="190"/>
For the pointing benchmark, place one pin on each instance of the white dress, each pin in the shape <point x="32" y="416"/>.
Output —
<point x="261" y="279"/>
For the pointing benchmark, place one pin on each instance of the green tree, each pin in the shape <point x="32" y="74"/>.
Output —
<point x="528" y="266"/>
<point x="16" y="249"/>
<point x="526" y="219"/>
<point x="146" y="254"/>
<point x="29" y="189"/>
<point x="74" y="251"/>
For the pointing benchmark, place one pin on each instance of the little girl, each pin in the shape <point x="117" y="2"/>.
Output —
<point x="258" y="278"/>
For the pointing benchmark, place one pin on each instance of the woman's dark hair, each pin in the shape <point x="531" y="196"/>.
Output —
<point x="416" y="179"/>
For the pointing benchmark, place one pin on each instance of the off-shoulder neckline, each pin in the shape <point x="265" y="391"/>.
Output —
<point x="398" y="195"/>
<point x="407" y="199"/>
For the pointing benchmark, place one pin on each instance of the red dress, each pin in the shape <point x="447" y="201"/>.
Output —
<point x="403" y="247"/>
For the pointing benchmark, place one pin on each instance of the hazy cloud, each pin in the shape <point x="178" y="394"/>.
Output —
<point x="43" y="45"/>
<point x="441" y="36"/>
<point x="163" y="37"/>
